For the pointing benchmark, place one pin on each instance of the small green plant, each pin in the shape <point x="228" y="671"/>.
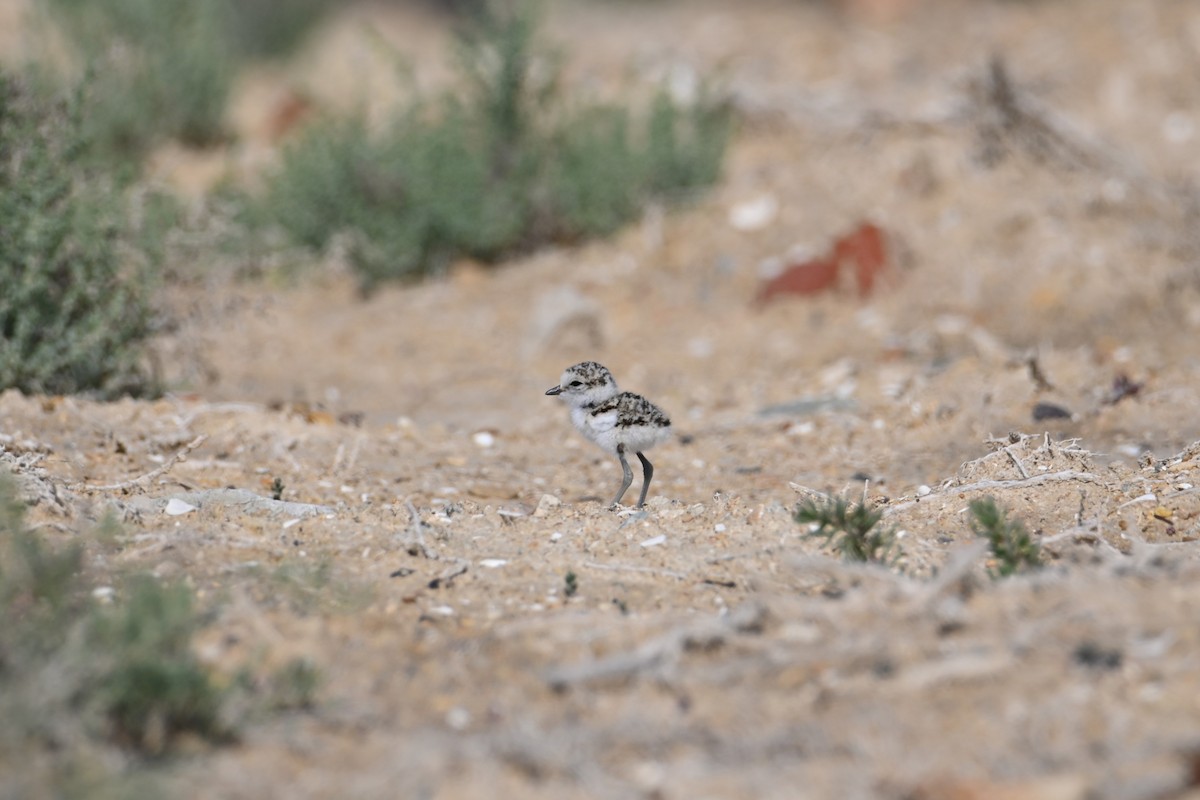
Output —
<point x="125" y="670"/>
<point x="72" y="319"/>
<point x="570" y="584"/>
<point x="81" y="677"/>
<point x="294" y="685"/>
<point x="153" y="688"/>
<point x="38" y="586"/>
<point x="1011" y="546"/>
<point x="277" y="489"/>
<point x="851" y="529"/>
<point x="498" y="166"/>
<point x="307" y="585"/>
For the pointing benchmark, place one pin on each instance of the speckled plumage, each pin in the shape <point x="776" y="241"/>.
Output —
<point x="617" y="421"/>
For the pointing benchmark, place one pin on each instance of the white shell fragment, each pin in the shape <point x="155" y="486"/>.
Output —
<point x="754" y="215"/>
<point x="547" y="502"/>
<point x="493" y="563"/>
<point x="654" y="541"/>
<point x="176" y="507"/>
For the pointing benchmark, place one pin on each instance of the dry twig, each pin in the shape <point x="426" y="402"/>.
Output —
<point x="416" y="535"/>
<point x="1068" y="475"/>
<point x="180" y="455"/>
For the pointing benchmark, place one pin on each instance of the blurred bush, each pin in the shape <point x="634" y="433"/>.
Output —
<point x="71" y="320"/>
<point x="95" y="685"/>
<point x="76" y="672"/>
<point x="165" y="69"/>
<point x="500" y="165"/>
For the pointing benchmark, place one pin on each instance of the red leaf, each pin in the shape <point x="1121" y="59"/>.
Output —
<point x="864" y="250"/>
<point x="808" y="277"/>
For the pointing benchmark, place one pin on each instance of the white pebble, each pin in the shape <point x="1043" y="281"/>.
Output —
<point x="754" y="215"/>
<point x="719" y="527"/>
<point x="291" y="522"/>
<point x="493" y="563"/>
<point x="103" y="592"/>
<point x="484" y="438"/>
<point x="554" y="537"/>
<point x="1178" y="128"/>
<point x="175" y="507"/>
<point x="923" y="490"/>
<point x="654" y="541"/>
<point x="458" y="718"/>
<point x="445" y="611"/>
<point x="547" y="502"/>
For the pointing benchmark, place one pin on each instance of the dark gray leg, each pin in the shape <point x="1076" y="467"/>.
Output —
<point x="647" y="474"/>
<point x="628" y="475"/>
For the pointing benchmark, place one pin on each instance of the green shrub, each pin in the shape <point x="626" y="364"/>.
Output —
<point x="496" y="167"/>
<point x="82" y="679"/>
<point x="153" y="689"/>
<point x="294" y="685"/>
<point x="273" y="28"/>
<point x="158" y="70"/>
<point x="166" y="69"/>
<point x="852" y="530"/>
<point x="70" y="319"/>
<point x="1011" y="546"/>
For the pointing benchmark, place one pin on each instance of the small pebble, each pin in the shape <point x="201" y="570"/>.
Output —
<point x="754" y="215"/>
<point x="493" y="563"/>
<point x="175" y="507"/>
<point x="547" y="502"/>
<point x="484" y="438"/>
<point x="923" y="490"/>
<point x="458" y="718"/>
<point x="654" y="541"/>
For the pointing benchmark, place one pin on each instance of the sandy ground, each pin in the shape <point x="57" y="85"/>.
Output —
<point x="1043" y="251"/>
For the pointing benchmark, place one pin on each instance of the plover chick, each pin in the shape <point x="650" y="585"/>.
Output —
<point x="619" y="422"/>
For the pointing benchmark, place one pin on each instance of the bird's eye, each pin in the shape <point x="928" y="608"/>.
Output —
<point x="573" y="384"/>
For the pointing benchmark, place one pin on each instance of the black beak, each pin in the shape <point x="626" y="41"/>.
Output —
<point x="555" y="390"/>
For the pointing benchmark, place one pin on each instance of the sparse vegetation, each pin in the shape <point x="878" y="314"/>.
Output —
<point x="71" y="319"/>
<point x="853" y="530"/>
<point x="82" y="672"/>
<point x="71" y="667"/>
<point x="152" y="688"/>
<point x="570" y="584"/>
<point x="1012" y="548"/>
<point x="501" y="165"/>
<point x="161" y="70"/>
<point x="309" y="586"/>
<point x="294" y="685"/>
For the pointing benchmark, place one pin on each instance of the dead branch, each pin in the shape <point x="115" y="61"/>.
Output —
<point x="1016" y="461"/>
<point x="415" y="540"/>
<point x="1068" y="475"/>
<point x="180" y="455"/>
<point x="661" y="653"/>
